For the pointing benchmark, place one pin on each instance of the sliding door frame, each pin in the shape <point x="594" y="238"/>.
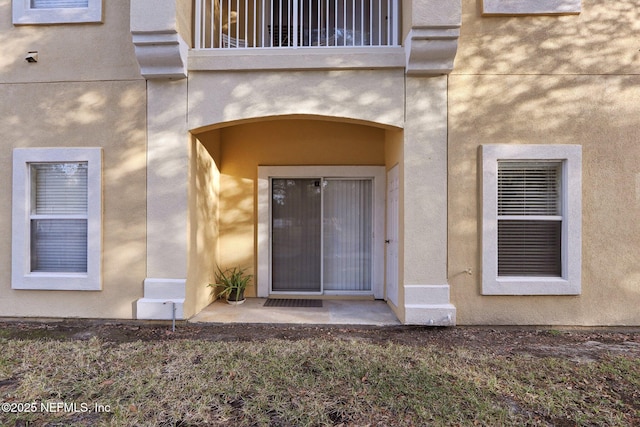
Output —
<point x="266" y="173"/>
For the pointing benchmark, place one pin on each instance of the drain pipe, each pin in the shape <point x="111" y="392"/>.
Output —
<point x="173" y="314"/>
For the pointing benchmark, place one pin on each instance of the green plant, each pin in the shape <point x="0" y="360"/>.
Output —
<point x="232" y="282"/>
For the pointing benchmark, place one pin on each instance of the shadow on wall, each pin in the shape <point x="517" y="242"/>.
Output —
<point x="368" y="96"/>
<point x="552" y="80"/>
<point x="89" y="114"/>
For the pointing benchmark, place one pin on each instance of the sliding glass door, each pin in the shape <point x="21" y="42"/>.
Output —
<point x="321" y="235"/>
<point x="295" y="232"/>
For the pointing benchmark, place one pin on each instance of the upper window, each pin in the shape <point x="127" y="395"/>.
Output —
<point x="56" y="219"/>
<point x="56" y="11"/>
<point x="530" y="7"/>
<point x="531" y="212"/>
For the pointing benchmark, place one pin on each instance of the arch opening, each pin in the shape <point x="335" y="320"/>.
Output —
<point x="225" y="196"/>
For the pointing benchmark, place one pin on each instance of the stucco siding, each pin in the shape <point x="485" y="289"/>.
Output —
<point x="375" y="96"/>
<point x="204" y="233"/>
<point x="551" y="80"/>
<point x="82" y="114"/>
<point x="70" y="52"/>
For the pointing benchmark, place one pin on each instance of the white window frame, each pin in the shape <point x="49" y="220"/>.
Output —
<point x="24" y="14"/>
<point x="571" y="187"/>
<point x="531" y="7"/>
<point x="265" y="173"/>
<point x="21" y="275"/>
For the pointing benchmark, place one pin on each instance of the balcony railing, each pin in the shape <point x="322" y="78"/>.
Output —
<point x="242" y="24"/>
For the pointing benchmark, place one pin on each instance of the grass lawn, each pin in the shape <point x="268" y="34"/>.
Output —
<point x="306" y="382"/>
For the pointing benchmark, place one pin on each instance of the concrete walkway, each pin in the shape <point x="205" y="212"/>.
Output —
<point x="333" y="312"/>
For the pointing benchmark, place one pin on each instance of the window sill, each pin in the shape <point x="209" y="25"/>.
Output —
<point x="257" y="59"/>
<point x="530" y="286"/>
<point x="528" y="7"/>
<point x="57" y="282"/>
<point x="25" y="15"/>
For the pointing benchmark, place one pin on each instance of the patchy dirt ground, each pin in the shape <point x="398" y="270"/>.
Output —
<point x="578" y="344"/>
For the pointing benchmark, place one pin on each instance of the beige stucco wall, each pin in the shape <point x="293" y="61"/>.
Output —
<point x="72" y="52"/>
<point x="407" y="6"/>
<point x="204" y="234"/>
<point x="552" y="80"/>
<point x="184" y="20"/>
<point x="84" y="91"/>
<point x="302" y="141"/>
<point x="73" y="114"/>
<point x="375" y="96"/>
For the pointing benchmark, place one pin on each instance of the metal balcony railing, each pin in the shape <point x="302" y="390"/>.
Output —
<point x="242" y="24"/>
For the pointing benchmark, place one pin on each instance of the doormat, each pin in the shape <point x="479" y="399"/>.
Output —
<point x="293" y="302"/>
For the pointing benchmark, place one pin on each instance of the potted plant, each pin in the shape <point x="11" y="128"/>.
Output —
<point x="233" y="282"/>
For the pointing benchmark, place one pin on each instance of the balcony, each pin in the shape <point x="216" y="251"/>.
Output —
<point x="289" y="24"/>
<point x="296" y="35"/>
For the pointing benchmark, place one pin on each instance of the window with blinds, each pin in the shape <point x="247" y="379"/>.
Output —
<point x="40" y="12"/>
<point x="58" y="216"/>
<point x="529" y="218"/>
<point x="57" y="4"/>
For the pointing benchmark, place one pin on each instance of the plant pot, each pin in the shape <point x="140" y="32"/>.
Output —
<point x="235" y="297"/>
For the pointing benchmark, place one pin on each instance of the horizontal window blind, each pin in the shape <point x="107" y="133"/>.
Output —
<point x="529" y="219"/>
<point x="58" y="4"/>
<point x="59" y="245"/>
<point x="59" y="217"/>
<point x="60" y="188"/>
<point x="529" y="188"/>
<point x="529" y="248"/>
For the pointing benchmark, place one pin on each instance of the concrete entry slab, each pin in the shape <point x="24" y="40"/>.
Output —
<point x="332" y="312"/>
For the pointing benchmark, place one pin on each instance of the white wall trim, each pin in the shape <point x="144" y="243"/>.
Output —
<point x="21" y="276"/>
<point x="24" y="14"/>
<point x="378" y="174"/>
<point x="160" y="54"/>
<point x="257" y="59"/>
<point x="531" y="7"/>
<point x="160" y="50"/>
<point x="431" y="51"/>
<point x="161" y="297"/>
<point x="428" y="305"/>
<point x="570" y="282"/>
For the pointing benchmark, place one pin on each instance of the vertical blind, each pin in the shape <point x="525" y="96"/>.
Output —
<point x="529" y="218"/>
<point x="56" y="4"/>
<point x="59" y="217"/>
<point x="347" y="235"/>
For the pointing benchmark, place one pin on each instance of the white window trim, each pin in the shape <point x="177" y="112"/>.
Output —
<point x="265" y="173"/>
<point x="570" y="282"/>
<point x="531" y="7"/>
<point x="21" y="276"/>
<point x="24" y="14"/>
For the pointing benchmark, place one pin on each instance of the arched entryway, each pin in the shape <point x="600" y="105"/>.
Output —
<point x="203" y="158"/>
<point x="326" y="165"/>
